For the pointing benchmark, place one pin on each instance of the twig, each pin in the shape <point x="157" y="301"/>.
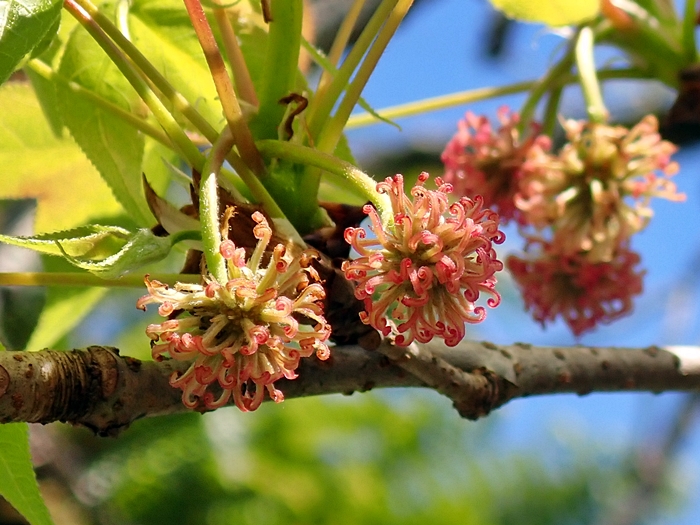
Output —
<point x="103" y="391"/>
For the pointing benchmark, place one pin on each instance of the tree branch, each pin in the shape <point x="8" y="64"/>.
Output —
<point x="105" y="392"/>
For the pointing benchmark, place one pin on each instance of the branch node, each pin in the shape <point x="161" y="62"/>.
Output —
<point x="4" y="380"/>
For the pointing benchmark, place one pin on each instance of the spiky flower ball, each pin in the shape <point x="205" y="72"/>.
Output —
<point x="243" y="335"/>
<point x="595" y="193"/>
<point x="482" y="161"/>
<point x="570" y="286"/>
<point x="424" y="271"/>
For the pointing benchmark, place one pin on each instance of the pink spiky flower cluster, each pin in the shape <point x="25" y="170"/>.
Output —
<point x="582" y="292"/>
<point x="424" y="271"/>
<point x="594" y="194"/>
<point x="245" y="334"/>
<point x="578" y="208"/>
<point x="482" y="161"/>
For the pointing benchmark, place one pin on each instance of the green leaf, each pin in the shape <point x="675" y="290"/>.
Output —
<point x="92" y="241"/>
<point x="65" y="307"/>
<point x="550" y="12"/>
<point x="44" y="89"/>
<point x="24" y="26"/>
<point x="38" y="165"/>
<point x="113" y="146"/>
<point x="17" y="480"/>
<point x="141" y="249"/>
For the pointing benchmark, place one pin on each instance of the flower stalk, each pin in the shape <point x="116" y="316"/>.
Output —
<point x="595" y="107"/>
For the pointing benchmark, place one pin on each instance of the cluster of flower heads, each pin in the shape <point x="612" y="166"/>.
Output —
<point x="430" y="259"/>
<point x="481" y="161"/>
<point x="570" y="286"/>
<point x="421" y="274"/>
<point x="577" y="207"/>
<point x="595" y="193"/>
<point x="245" y="334"/>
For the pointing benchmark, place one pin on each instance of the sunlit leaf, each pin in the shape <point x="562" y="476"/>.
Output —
<point x="38" y="165"/>
<point x="24" y="26"/>
<point x="17" y="480"/>
<point x="550" y="12"/>
<point x="114" y="147"/>
<point x="93" y="241"/>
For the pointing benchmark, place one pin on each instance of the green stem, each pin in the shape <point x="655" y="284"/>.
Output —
<point x="563" y="67"/>
<point x="688" y="37"/>
<point x="340" y="42"/>
<point x="297" y="153"/>
<point x="179" y="138"/>
<point x="597" y="112"/>
<point x="122" y="16"/>
<point x="45" y="71"/>
<point x="320" y="107"/>
<point x="88" y="279"/>
<point x="474" y="95"/>
<point x="281" y="65"/>
<point x="549" y="120"/>
<point x="179" y="102"/>
<point x="333" y="129"/>
<point x="209" y="206"/>
<point x="222" y="81"/>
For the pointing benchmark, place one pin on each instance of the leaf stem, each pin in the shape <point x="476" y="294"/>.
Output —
<point x="538" y="90"/>
<point x="419" y="107"/>
<point x="365" y="184"/>
<point x="332" y="130"/>
<point x="688" y="36"/>
<point x="321" y="106"/>
<point x="281" y="65"/>
<point x="241" y="74"/>
<point x="179" y="102"/>
<point x="340" y="42"/>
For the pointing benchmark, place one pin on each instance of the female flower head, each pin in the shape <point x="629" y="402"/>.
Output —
<point x="424" y="271"/>
<point x="481" y="161"/>
<point x="595" y="193"/>
<point x="245" y="334"/>
<point x="570" y="286"/>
